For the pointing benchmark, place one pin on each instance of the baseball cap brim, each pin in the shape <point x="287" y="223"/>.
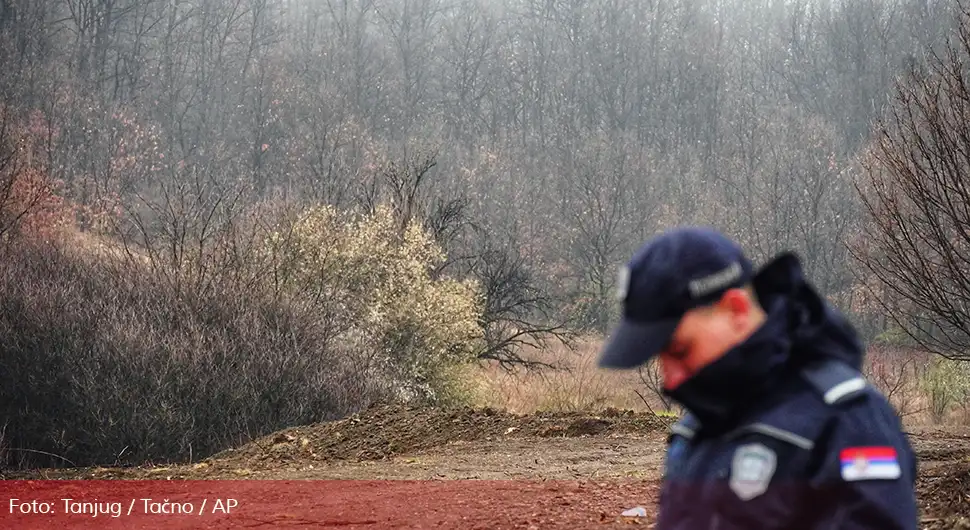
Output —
<point x="635" y="343"/>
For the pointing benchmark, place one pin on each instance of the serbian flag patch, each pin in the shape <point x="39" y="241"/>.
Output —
<point x="870" y="463"/>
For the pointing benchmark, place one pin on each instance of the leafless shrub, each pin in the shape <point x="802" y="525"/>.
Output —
<point x="101" y="365"/>
<point x="895" y="374"/>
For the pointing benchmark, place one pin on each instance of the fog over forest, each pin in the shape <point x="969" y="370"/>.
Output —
<point x="565" y="132"/>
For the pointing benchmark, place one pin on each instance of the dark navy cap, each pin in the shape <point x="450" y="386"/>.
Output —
<point x="679" y="270"/>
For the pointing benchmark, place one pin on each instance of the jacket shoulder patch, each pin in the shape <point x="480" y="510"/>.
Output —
<point x="869" y="463"/>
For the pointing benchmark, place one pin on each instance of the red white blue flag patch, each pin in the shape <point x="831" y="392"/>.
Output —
<point x="870" y="463"/>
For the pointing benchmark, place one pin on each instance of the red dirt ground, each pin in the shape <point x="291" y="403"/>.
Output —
<point x="553" y="471"/>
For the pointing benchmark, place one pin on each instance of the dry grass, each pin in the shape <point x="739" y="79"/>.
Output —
<point x="581" y="386"/>
<point x="925" y="389"/>
<point x="578" y="384"/>
<point x="896" y="373"/>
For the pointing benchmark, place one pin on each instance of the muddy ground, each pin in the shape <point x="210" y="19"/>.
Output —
<point x="570" y="470"/>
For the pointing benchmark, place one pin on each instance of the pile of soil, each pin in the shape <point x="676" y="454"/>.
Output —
<point x="944" y="495"/>
<point x="388" y="430"/>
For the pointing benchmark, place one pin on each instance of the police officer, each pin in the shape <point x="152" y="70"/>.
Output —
<point x="781" y="430"/>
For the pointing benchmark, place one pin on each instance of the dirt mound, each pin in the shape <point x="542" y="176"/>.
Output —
<point x="944" y="495"/>
<point x="384" y="431"/>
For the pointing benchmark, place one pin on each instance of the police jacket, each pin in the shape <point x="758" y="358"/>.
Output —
<point x="787" y="433"/>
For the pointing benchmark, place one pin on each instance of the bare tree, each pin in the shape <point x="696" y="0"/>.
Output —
<point x="184" y="227"/>
<point x="916" y="192"/>
<point x="22" y="186"/>
<point x="652" y="380"/>
<point x="468" y="60"/>
<point x="518" y="313"/>
<point x="410" y="26"/>
<point x="602" y="190"/>
<point x="895" y="378"/>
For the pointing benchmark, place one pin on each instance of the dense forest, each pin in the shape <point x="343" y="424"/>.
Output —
<point x="539" y="142"/>
<point x="567" y="130"/>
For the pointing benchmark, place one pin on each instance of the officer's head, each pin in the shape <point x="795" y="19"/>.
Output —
<point x="687" y="298"/>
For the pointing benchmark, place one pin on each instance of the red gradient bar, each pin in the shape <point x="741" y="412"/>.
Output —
<point x="465" y="504"/>
<point x="868" y="453"/>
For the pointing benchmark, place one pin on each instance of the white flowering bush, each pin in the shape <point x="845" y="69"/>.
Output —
<point x="374" y="275"/>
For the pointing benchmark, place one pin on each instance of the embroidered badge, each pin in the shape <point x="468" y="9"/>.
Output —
<point x="751" y="470"/>
<point x="870" y="463"/>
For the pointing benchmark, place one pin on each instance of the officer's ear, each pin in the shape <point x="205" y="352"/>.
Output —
<point x="739" y="305"/>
